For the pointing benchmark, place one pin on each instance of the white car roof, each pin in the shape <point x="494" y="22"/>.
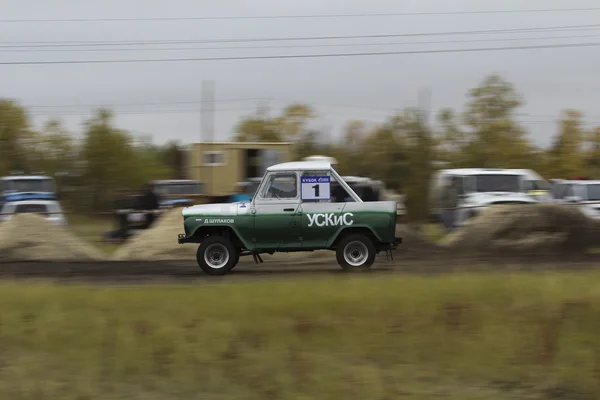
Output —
<point x="44" y="202"/>
<point x="487" y="171"/>
<point x="581" y="182"/>
<point x="301" y="166"/>
<point x="173" y="181"/>
<point x="356" y="179"/>
<point x="25" y="177"/>
<point x="320" y="158"/>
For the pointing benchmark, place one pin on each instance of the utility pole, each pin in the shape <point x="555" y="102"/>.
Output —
<point x="207" y="123"/>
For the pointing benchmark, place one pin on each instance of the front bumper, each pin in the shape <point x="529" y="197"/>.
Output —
<point x="181" y="239"/>
<point x="392" y="245"/>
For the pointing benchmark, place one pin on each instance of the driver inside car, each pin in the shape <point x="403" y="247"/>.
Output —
<point x="280" y="193"/>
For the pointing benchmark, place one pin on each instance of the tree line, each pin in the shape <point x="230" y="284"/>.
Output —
<point x="403" y="151"/>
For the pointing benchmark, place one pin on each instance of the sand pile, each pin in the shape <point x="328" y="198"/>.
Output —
<point x="30" y="237"/>
<point x="529" y="229"/>
<point x="415" y="245"/>
<point x="158" y="242"/>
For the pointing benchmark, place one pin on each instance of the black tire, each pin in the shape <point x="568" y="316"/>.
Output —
<point x="221" y="251"/>
<point x="361" y="246"/>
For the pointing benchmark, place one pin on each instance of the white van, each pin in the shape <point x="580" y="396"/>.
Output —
<point x="50" y="209"/>
<point x="583" y="194"/>
<point x="482" y="187"/>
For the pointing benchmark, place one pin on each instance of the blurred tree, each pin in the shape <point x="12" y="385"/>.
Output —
<point x="495" y="139"/>
<point x="420" y="150"/>
<point x="14" y="131"/>
<point x="111" y="161"/>
<point x="451" y="140"/>
<point x="566" y="153"/>
<point x="354" y="134"/>
<point x="289" y="126"/>
<point x="53" y="150"/>
<point x="593" y="153"/>
<point x="172" y="155"/>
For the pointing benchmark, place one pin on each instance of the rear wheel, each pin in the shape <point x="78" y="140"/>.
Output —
<point x="355" y="253"/>
<point x="216" y="255"/>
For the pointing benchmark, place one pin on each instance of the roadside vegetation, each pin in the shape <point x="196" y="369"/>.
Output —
<point x="488" y="336"/>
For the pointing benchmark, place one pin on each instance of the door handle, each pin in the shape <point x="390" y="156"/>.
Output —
<point x="288" y="209"/>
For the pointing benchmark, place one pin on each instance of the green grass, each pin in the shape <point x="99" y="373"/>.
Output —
<point x="503" y="336"/>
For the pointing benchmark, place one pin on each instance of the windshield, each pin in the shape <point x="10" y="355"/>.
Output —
<point x="179" y="188"/>
<point x="29" y="185"/>
<point x="593" y="192"/>
<point x="31" y="208"/>
<point x="497" y="183"/>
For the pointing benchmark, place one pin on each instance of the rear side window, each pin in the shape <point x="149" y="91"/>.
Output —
<point x="30" y="208"/>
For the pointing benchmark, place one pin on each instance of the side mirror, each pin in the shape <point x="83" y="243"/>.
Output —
<point x="573" y="199"/>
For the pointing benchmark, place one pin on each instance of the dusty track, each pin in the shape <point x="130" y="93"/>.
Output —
<point x="178" y="271"/>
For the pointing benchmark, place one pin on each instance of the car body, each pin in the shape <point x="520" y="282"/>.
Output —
<point x="584" y="194"/>
<point x="176" y="192"/>
<point x="39" y="186"/>
<point x="483" y="187"/>
<point x="292" y="210"/>
<point x="50" y="209"/>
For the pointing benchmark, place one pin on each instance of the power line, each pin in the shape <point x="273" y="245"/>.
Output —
<point x="330" y="55"/>
<point x="143" y="104"/>
<point x="362" y="15"/>
<point x="58" y="113"/>
<point x="264" y="98"/>
<point x="247" y="40"/>
<point x="303" y="46"/>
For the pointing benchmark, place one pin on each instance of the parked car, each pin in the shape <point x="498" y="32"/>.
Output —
<point x="584" y="194"/>
<point x="50" y="209"/>
<point x="482" y="187"/>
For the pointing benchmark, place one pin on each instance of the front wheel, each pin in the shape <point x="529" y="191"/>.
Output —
<point x="355" y="252"/>
<point x="216" y="255"/>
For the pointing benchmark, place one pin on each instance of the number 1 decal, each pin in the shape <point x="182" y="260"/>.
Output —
<point x="315" y="188"/>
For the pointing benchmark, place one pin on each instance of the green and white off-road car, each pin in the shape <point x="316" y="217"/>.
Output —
<point x="298" y="206"/>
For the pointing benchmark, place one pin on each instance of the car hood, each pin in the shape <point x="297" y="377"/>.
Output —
<point x="499" y="198"/>
<point x="226" y="209"/>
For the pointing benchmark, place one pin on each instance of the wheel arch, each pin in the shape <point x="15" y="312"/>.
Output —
<point x="221" y="230"/>
<point x="352" y="230"/>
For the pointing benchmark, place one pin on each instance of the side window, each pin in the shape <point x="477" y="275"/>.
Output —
<point x="281" y="186"/>
<point x="556" y="190"/>
<point x="529" y="185"/>
<point x="469" y="183"/>
<point x="341" y="195"/>
<point x="213" y="158"/>
<point x="569" y="191"/>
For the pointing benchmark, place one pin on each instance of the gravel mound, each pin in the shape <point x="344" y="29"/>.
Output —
<point x="415" y="245"/>
<point x="158" y="243"/>
<point x="529" y="229"/>
<point x="30" y="237"/>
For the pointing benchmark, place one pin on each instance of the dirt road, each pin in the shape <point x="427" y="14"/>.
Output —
<point x="184" y="271"/>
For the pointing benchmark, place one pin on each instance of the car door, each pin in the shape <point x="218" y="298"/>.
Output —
<point x="276" y="223"/>
<point x="321" y="214"/>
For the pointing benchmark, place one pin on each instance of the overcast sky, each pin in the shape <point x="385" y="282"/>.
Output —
<point x="340" y="89"/>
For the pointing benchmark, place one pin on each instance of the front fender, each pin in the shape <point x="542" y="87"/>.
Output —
<point x="335" y="236"/>
<point x="197" y="229"/>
